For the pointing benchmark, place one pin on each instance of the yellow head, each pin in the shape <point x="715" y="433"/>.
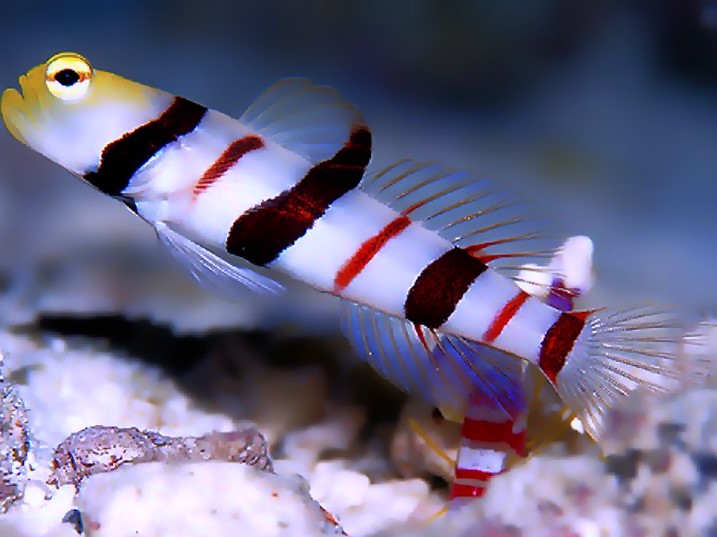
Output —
<point x="69" y="111"/>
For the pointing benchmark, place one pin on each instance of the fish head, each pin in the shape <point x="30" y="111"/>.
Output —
<point x="68" y="111"/>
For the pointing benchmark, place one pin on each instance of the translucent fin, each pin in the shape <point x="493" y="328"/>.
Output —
<point x="548" y="418"/>
<point x="210" y="270"/>
<point x="428" y="440"/>
<point x="481" y="215"/>
<point x="567" y="277"/>
<point x="445" y="370"/>
<point x="313" y="121"/>
<point x="573" y="264"/>
<point x="619" y="351"/>
<point x="700" y="343"/>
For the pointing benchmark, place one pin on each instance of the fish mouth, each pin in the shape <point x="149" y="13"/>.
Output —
<point x="20" y="89"/>
<point x="21" y="81"/>
<point x="12" y="105"/>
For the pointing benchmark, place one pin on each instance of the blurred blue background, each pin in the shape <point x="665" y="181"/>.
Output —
<point x="606" y="112"/>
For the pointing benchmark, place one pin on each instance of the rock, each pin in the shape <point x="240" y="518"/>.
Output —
<point x="200" y="499"/>
<point x="101" y="449"/>
<point x="665" y="459"/>
<point x="70" y="385"/>
<point x="14" y="443"/>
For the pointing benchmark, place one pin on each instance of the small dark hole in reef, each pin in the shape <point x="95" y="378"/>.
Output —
<point x="623" y="466"/>
<point x="681" y="498"/>
<point x="74" y="518"/>
<point x="437" y="482"/>
<point x="669" y="433"/>
<point x="706" y="464"/>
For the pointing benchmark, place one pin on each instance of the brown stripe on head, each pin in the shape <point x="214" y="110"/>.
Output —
<point x="122" y="158"/>
<point x="440" y="286"/>
<point x="559" y="341"/>
<point x="231" y="155"/>
<point x="262" y="233"/>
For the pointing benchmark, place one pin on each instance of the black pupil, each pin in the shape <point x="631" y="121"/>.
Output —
<point x="67" y="77"/>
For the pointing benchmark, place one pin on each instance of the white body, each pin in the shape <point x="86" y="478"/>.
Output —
<point x="163" y="192"/>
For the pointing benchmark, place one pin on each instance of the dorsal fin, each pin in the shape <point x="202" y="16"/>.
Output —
<point x="311" y="120"/>
<point x="481" y="215"/>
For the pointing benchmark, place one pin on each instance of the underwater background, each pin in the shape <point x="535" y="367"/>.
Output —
<point x="604" y="112"/>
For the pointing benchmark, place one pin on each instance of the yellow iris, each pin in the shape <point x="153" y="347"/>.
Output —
<point x="68" y="76"/>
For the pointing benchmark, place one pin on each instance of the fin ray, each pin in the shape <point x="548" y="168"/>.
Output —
<point x="311" y="120"/>
<point x="604" y="365"/>
<point x="473" y="213"/>
<point x="212" y="271"/>
<point x="445" y="370"/>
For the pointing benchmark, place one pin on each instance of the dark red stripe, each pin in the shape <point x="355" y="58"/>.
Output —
<point x="263" y="232"/>
<point x="461" y="490"/>
<point x="122" y="158"/>
<point x="559" y="341"/>
<point x="486" y="431"/>
<point x="504" y="316"/>
<point x="232" y="154"/>
<point x="440" y="286"/>
<point x="367" y="251"/>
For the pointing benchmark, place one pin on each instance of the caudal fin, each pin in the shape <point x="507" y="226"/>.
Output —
<point x="594" y="359"/>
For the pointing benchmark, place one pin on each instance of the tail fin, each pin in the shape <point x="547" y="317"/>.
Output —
<point x="596" y="358"/>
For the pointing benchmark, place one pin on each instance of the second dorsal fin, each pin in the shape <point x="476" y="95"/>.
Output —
<point x="482" y="216"/>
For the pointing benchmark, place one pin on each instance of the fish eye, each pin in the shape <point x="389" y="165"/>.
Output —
<point x="68" y="76"/>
